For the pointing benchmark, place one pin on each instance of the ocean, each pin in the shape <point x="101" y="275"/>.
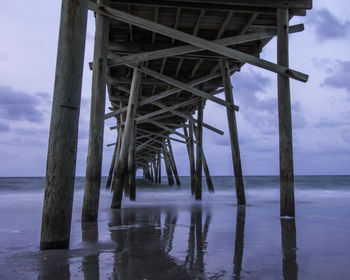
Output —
<point x="166" y="234"/>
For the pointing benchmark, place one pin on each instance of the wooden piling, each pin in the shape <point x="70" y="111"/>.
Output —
<point x="191" y="156"/>
<point x="287" y="207"/>
<point x="62" y="150"/>
<point x="122" y="163"/>
<point x="199" y="148"/>
<point x="232" y="125"/>
<point x="173" y="164"/>
<point x="155" y="168"/>
<point x="96" y="130"/>
<point x="159" y="169"/>
<point x="111" y="168"/>
<point x="167" y="166"/>
<point x="132" y="164"/>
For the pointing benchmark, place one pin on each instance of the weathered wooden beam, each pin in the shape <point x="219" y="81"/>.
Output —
<point x="186" y="87"/>
<point x="111" y="168"/>
<point x="287" y="205"/>
<point x="173" y="164"/>
<point x="231" y="119"/>
<point x="199" y="42"/>
<point x="144" y="144"/>
<point x="175" y="112"/>
<point x="159" y="168"/>
<point x="191" y="159"/>
<point x="199" y="148"/>
<point x="122" y="166"/>
<point x="163" y="94"/>
<point x="167" y="166"/>
<point x="183" y="50"/>
<point x="247" y="6"/>
<point x="62" y="150"/>
<point x="97" y="111"/>
<point x="132" y="164"/>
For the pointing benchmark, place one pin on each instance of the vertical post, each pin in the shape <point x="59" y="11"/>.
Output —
<point x="159" y="169"/>
<point x="199" y="151"/>
<point x="119" y="143"/>
<point x="191" y="154"/>
<point x="111" y="168"/>
<point x="122" y="163"/>
<point x="167" y="166"/>
<point x="151" y="172"/>
<point x="132" y="165"/>
<point x="173" y="164"/>
<point x="155" y="168"/>
<point x="287" y="207"/>
<point x="62" y="150"/>
<point x="98" y="99"/>
<point x="232" y="125"/>
<point x="206" y="170"/>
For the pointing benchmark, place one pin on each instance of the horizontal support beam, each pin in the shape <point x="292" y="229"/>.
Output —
<point x="170" y="52"/>
<point x="196" y="41"/>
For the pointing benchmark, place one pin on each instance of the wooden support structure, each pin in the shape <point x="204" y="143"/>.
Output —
<point x="167" y="166"/>
<point x="199" y="148"/>
<point x="159" y="168"/>
<point x="232" y="125"/>
<point x="122" y="163"/>
<point x="173" y="164"/>
<point x="285" y="119"/>
<point x="96" y="130"/>
<point x="191" y="160"/>
<point x="62" y="150"/>
<point x="132" y="164"/>
<point x="111" y="168"/>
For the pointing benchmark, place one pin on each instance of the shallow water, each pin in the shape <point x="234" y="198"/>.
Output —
<point x="167" y="235"/>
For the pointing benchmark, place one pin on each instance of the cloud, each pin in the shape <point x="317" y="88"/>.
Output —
<point x="340" y="77"/>
<point x="4" y="127"/>
<point x="327" y="26"/>
<point x="18" y="105"/>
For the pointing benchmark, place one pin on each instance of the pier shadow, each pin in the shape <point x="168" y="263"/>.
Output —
<point x="289" y="249"/>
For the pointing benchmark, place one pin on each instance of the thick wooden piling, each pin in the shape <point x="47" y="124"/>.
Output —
<point x="199" y="148"/>
<point x="232" y="125"/>
<point x="287" y="207"/>
<point x="155" y="168"/>
<point x="111" y="168"/>
<point x="132" y="165"/>
<point x="191" y="160"/>
<point x="206" y="170"/>
<point x="62" y="150"/>
<point x="167" y="166"/>
<point x="173" y="164"/>
<point x="96" y="130"/>
<point x="159" y="169"/>
<point x="122" y="163"/>
<point x="191" y="155"/>
<point x="119" y="143"/>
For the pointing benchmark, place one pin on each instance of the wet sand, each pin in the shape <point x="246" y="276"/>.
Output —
<point x="167" y="235"/>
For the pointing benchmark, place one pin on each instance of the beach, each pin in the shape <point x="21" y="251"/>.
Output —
<point x="166" y="234"/>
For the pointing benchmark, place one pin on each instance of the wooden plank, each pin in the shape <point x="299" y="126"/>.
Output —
<point x="287" y="204"/>
<point x="199" y="42"/>
<point x="170" y="52"/>
<point x="96" y="129"/>
<point x="62" y="149"/>
<point x="296" y="4"/>
<point x="232" y="125"/>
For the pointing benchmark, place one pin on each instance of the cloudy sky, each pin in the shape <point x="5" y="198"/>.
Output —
<point x="321" y="107"/>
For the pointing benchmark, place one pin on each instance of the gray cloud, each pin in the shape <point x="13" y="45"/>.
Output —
<point x="4" y="127"/>
<point x="18" y="105"/>
<point x="327" y="26"/>
<point x="340" y="78"/>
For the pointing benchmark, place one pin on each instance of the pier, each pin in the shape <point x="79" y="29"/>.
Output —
<point x="159" y="62"/>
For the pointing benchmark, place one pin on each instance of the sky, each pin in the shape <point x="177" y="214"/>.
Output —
<point x="321" y="107"/>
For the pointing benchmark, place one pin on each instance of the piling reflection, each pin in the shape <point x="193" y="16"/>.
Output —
<point x="289" y="247"/>
<point x="239" y="242"/>
<point x="54" y="267"/>
<point x="90" y="264"/>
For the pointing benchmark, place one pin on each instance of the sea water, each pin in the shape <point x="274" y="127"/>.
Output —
<point x="166" y="234"/>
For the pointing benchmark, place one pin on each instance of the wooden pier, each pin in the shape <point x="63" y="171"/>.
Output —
<point x="161" y="61"/>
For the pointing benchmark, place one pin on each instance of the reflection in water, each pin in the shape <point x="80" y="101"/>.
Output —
<point x="90" y="266"/>
<point x="289" y="246"/>
<point x="57" y="268"/>
<point x="239" y="242"/>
